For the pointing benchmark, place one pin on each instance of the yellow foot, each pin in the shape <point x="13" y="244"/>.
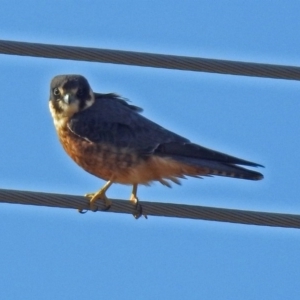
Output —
<point x="98" y="196"/>
<point x="138" y="209"/>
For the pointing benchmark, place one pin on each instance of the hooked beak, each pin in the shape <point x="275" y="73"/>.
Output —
<point x="69" y="98"/>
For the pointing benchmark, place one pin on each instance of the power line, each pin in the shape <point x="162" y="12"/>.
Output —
<point x="154" y="209"/>
<point x="158" y="61"/>
<point x="150" y="60"/>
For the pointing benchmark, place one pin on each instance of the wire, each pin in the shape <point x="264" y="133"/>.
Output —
<point x="157" y="61"/>
<point x="150" y="60"/>
<point x="154" y="209"/>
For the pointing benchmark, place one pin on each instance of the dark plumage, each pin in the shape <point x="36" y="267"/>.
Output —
<point x="109" y="138"/>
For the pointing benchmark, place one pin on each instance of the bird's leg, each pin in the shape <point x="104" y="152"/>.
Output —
<point x="134" y="199"/>
<point x="100" y="195"/>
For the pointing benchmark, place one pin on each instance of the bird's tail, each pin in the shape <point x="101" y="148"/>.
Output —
<point x="197" y="161"/>
<point x="203" y="167"/>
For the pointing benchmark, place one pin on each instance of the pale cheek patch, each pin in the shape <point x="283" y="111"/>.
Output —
<point x="60" y="119"/>
<point x="68" y="110"/>
<point x="90" y="102"/>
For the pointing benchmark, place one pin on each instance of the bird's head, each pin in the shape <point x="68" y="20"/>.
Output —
<point x="69" y="94"/>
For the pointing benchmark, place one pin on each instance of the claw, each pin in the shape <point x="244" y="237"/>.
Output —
<point x="138" y="209"/>
<point x="100" y="195"/>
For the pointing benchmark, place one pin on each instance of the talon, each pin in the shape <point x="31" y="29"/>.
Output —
<point x="93" y="207"/>
<point x="138" y="211"/>
<point x="100" y="195"/>
<point x="89" y="195"/>
<point x="138" y="207"/>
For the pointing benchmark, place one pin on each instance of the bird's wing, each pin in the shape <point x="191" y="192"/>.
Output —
<point x="113" y="120"/>
<point x="198" y="152"/>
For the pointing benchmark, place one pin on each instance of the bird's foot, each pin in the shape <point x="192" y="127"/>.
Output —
<point x="138" y="209"/>
<point x="100" y="195"/>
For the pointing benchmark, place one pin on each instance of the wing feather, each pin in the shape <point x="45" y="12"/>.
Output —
<point x="114" y="121"/>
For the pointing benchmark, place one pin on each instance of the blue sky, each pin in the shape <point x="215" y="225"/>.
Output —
<point x="49" y="253"/>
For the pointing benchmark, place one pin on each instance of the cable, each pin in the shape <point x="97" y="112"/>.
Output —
<point x="154" y="209"/>
<point x="158" y="61"/>
<point x="150" y="60"/>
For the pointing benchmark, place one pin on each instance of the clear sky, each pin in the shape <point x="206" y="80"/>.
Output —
<point x="49" y="253"/>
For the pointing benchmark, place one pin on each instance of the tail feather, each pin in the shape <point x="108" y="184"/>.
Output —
<point x="203" y="161"/>
<point x="215" y="168"/>
<point x="191" y="150"/>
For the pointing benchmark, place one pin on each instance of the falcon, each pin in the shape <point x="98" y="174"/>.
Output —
<point x="109" y="138"/>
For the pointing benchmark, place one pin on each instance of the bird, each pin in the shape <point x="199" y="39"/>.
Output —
<point x="109" y="138"/>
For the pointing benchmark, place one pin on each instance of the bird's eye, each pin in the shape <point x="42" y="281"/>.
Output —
<point x="56" y="92"/>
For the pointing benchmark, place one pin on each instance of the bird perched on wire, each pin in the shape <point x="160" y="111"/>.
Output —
<point x="109" y="138"/>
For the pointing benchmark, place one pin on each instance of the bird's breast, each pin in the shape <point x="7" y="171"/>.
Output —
<point x="100" y="159"/>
